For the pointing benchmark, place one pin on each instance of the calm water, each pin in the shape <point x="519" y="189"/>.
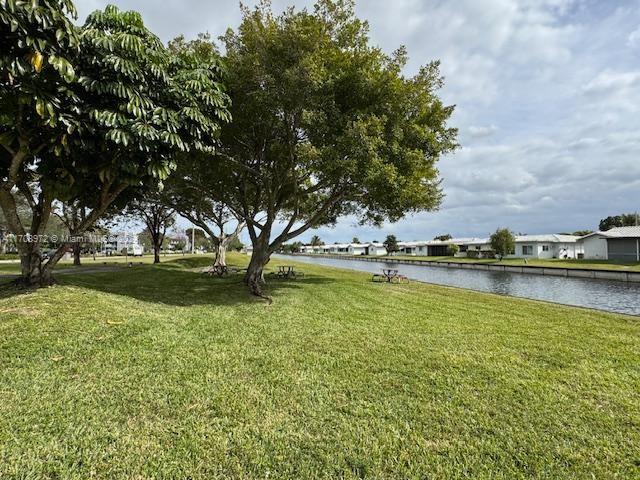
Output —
<point x="609" y="295"/>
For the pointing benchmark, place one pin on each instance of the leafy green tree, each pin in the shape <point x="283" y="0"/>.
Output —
<point x="202" y="241"/>
<point x="95" y="111"/>
<point x="443" y="238"/>
<point x="235" y="245"/>
<point x="326" y="125"/>
<point x="623" y="220"/>
<point x="391" y="244"/>
<point x="201" y="186"/>
<point x="453" y="249"/>
<point x="503" y="242"/>
<point x="316" y="241"/>
<point x="152" y="210"/>
<point x="355" y="240"/>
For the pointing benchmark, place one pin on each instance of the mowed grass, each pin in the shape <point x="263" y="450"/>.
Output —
<point x="163" y="372"/>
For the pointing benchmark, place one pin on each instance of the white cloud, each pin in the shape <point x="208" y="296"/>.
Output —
<point x="611" y="81"/>
<point x="482" y="131"/>
<point x="633" y="40"/>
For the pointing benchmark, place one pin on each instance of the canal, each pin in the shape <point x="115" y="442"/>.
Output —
<point x="608" y="295"/>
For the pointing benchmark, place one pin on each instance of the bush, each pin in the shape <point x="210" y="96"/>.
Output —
<point x="453" y="250"/>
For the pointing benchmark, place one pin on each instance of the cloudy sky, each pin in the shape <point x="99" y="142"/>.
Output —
<point x="547" y="95"/>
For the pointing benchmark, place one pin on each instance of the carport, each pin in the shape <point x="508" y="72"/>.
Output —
<point x="624" y="249"/>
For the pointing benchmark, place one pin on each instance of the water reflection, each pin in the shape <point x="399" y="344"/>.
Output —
<point x="609" y="295"/>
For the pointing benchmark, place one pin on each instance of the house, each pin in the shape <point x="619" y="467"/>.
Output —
<point x="548" y="246"/>
<point x="619" y="243"/>
<point x="375" y="249"/>
<point x="357" y="249"/>
<point x="121" y="243"/>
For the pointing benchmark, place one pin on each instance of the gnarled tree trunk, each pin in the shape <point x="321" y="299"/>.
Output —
<point x="77" y="250"/>
<point x="254" y="277"/>
<point x="30" y="264"/>
<point x="221" y="253"/>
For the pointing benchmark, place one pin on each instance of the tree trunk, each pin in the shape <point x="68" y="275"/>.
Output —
<point x="46" y="270"/>
<point x="30" y="264"/>
<point x="221" y="254"/>
<point x="254" y="278"/>
<point x="156" y="251"/>
<point x="77" y="248"/>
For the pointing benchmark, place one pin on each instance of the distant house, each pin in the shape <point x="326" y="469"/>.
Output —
<point x="527" y="246"/>
<point x="122" y="242"/>
<point x="346" y="249"/>
<point x="619" y="243"/>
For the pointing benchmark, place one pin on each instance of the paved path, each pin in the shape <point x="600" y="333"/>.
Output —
<point x="72" y="270"/>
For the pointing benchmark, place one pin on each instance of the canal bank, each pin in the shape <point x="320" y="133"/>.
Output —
<point x="597" y="293"/>
<point x="577" y="272"/>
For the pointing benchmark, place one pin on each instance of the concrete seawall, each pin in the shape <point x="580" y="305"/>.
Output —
<point x="597" y="274"/>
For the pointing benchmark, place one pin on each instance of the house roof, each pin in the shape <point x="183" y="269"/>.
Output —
<point x="622" y="232"/>
<point x="550" y="238"/>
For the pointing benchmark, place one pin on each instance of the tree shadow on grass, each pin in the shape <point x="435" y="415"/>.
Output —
<point x="173" y="284"/>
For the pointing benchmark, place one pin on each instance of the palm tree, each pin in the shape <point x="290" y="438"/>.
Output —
<point x="315" y="241"/>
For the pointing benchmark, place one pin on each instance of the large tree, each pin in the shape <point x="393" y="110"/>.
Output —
<point x="198" y="192"/>
<point x="157" y="217"/>
<point x="623" y="220"/>
<point x="87" y="113"/>
<point x="325" y="125"/>
<point x="503" y="242"/>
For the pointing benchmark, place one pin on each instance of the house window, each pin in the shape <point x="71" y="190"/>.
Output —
<point x="478" y="247"/>
<point x="545" y="248"/>
<point x="527" y="250"/>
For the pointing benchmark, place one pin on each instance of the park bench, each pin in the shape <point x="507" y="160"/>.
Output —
<point x="389" y="275"/>
<point x="288" y="272"/>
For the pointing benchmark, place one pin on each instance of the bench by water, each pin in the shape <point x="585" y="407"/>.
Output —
<point x="608" y="295"/>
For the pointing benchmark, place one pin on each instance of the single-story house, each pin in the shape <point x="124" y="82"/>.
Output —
<point x="618" y="243"/>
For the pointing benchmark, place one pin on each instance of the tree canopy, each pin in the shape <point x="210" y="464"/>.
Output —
<point x="89" y="112"/>
<point x="503" y="242"/>
<point x="623" y="220"/>
<point x="326" y="125"/>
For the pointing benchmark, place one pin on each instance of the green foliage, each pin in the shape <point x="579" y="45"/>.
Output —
<point x="453" y="249"/>
<point x="443" y="238"/>
<point x="235" y="245"/>
<point x="503" y="242"/>
<point x="37" y="49"/>
<point x="623" y="220"/>
<point x="391" y="244"/>
<point x="316" y="241"/>
<point x="325" y="125"/>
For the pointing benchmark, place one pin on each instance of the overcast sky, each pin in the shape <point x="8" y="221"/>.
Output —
<point x="547" y="96"/>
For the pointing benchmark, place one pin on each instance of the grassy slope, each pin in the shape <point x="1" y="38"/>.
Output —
<point x="162" y="372"/>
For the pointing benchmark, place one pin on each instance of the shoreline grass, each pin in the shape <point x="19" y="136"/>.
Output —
<point x="162" y="372"/>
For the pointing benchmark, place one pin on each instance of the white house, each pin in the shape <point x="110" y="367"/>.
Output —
<point x="548" y="246"/>
<point x="121" y="242"/>
<point x="618" y="243"/>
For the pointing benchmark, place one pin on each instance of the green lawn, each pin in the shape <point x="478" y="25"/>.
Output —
<point x="162" y="372"/>
<point x="11" y="268"/>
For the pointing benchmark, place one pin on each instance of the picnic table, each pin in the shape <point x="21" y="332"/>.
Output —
<point x="389" y="275"/>
<point x="288" y="272"/>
